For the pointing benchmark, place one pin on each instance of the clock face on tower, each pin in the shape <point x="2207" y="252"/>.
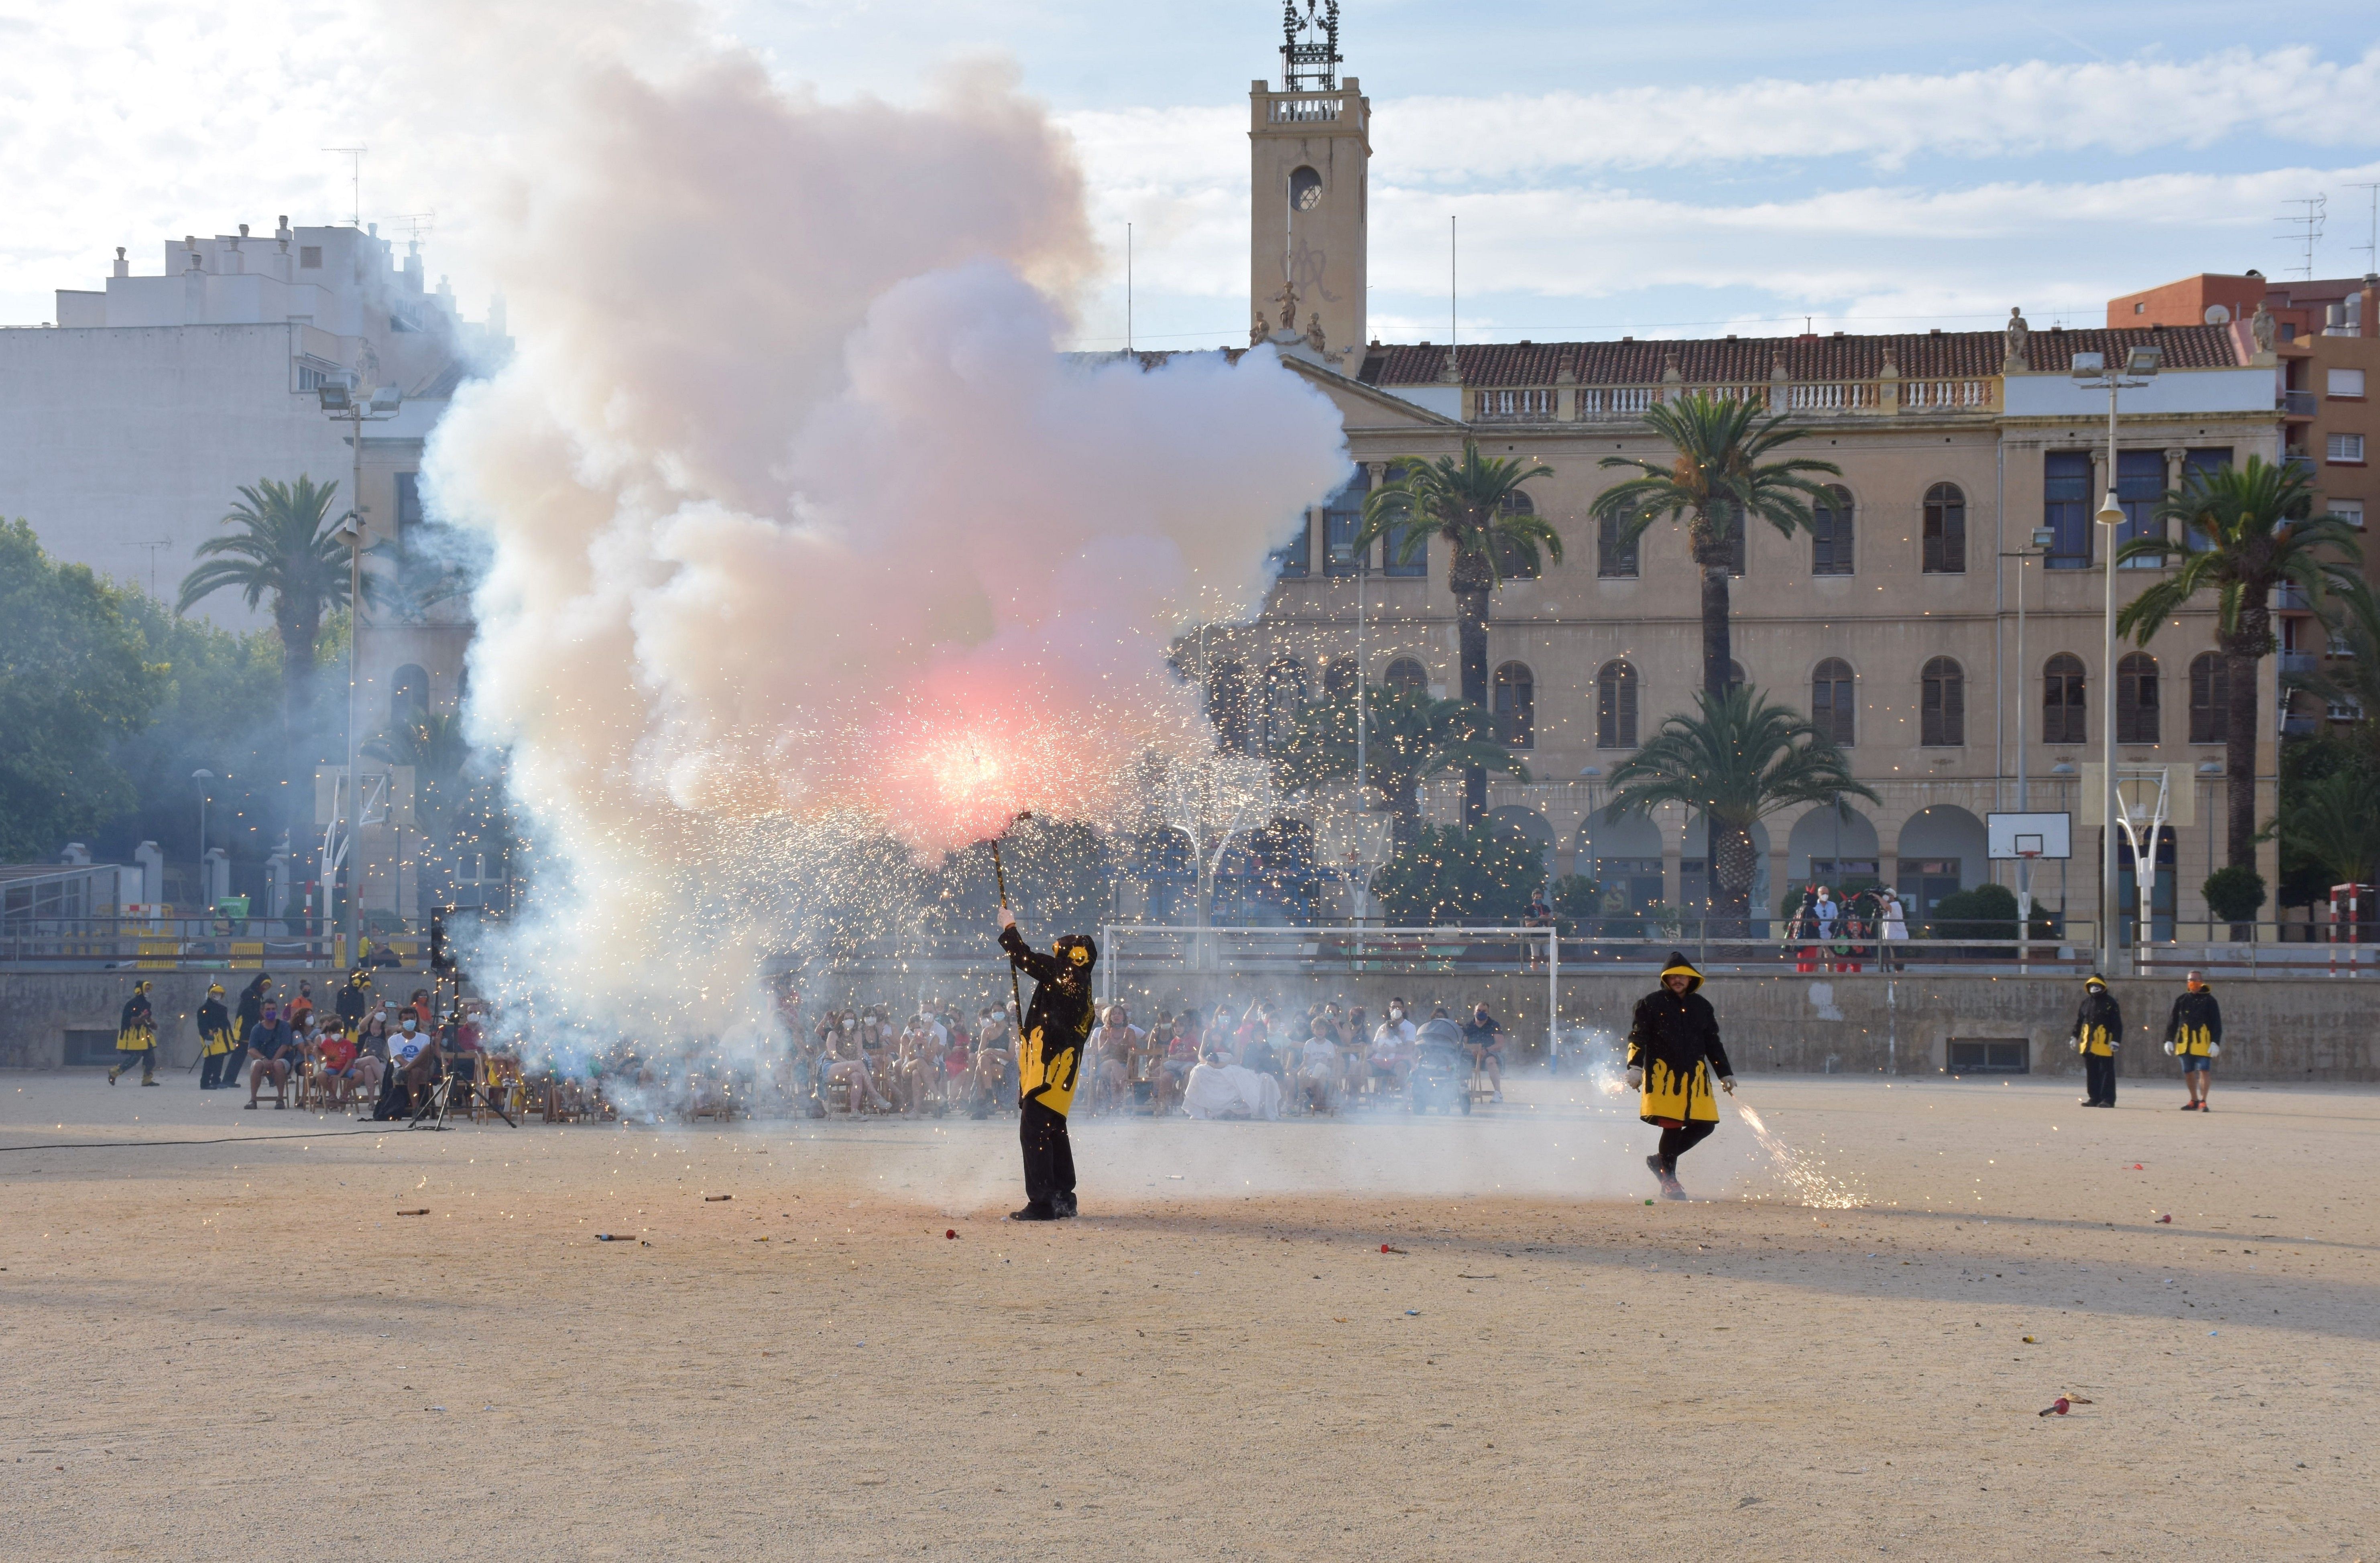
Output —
<point x="1305" y="188"/>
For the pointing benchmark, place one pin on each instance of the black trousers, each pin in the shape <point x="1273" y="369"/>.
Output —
<point x="146" y="1058"/>
<point x="211" y="1070"/>
<point x="1676" y="1143"/>
<point x="1049" y="1156"/>
<point x="2099" y="1071"/>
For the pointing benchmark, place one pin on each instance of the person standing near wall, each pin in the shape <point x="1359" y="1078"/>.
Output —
<point x="2099" y="1032"/>
<point x="2193" y="1034"/>
<point x="215" y="1043"/>
<point x="136" y="1037"/>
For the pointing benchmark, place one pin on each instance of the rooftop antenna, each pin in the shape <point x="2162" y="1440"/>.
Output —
<point x="419" y="223"/>
<point x="356" y="177"/>
<point x="2371" y="245"/>
<point x="1310" y="50"/>
<point x="2309" y="226"/>
<point x="1127" y="288"/>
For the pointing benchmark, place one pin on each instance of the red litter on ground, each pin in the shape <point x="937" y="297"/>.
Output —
<point x="1386" y="1249"/>
<point x="2166" y="1221"/>
<point x="950" y="1231"/>
<point x="2056" y="1408"/>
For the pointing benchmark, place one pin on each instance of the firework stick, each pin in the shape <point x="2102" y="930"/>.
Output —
<point x="1000" y="878"/>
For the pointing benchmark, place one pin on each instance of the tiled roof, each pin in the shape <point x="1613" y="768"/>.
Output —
<point x="1921" y="356"/>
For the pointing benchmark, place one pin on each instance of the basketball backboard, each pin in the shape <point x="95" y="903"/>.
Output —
<point x="2028" y="835"/>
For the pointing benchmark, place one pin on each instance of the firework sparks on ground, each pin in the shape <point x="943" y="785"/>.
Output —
<point x="1805" y="1176"/>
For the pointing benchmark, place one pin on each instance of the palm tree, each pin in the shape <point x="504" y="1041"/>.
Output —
<point x="1409" y="738"/>
<point x="2245" y="530"/>
<point x="1737" y="760"/>
<point x="1476" y="507"/>
<point x="1717" y="479"/>
<point x="2337" y="823"/>
<point x="2352" y="681"/>
<point x="287" y="547"/>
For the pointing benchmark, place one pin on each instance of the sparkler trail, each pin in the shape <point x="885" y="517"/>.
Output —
<point x="1807" y="1178"/>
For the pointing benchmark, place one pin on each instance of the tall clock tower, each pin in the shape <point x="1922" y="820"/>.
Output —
<point x="1310" y="147"/>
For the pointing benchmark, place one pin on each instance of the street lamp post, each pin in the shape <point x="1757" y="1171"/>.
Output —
<point x="345" y="404"/>
<point x="2091" y="372"/>
<point x="202" y="778"/>
<point x="2041" y="541"/>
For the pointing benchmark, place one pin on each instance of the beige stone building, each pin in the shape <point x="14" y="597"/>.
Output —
<point x="1898" y="626"/>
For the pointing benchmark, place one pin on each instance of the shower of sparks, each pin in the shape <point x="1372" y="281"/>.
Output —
<point x="1804" y="1174"/>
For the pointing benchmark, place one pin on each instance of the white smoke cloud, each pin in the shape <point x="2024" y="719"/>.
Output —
<point x="795" y="513"/>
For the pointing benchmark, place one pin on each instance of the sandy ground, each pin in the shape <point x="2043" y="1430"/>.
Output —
<point x="243" y="1350"/>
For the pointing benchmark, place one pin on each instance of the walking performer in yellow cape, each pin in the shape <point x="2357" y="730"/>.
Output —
<point x="136" y="1037"/>
<point x="2193" y="1034"/>
<point x="1048" y="1057"/>
<point x="1673" y="1053"/>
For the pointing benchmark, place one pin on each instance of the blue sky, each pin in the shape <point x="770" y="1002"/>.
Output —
<point x="1655" y="170"/>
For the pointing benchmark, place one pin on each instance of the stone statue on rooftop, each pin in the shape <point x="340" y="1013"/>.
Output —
<point x="1287" y="299"/>
<point x="2016" y="334"/>
<point x="2263" y="324"/>
<point x="1314" y="331"/>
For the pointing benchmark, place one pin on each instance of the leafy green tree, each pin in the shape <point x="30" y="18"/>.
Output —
<point x="1450" y="874"/>
<point x="1737" y="759"/>
<point x="1717" y="479"/>
<point x="285" y="547"/>
<point x="2235" y="894"/>
<point x="2336" y="823"/>
<point x="1475" y="507"/>
<point x="1409" y="739"/>
<point x="2245" y="530"/>
<point x="74" y="680"/>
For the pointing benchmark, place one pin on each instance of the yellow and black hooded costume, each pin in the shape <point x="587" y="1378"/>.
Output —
<point x="2099" y="1032"/>
<point x="1674" y="1039"/>
<point x="2194" y="1030"/>
<point x="1058" y="1022"/>
<point x="1049" y="1060"/>
<point x="136" y="1037"/>
<point x="215" y="1043"/>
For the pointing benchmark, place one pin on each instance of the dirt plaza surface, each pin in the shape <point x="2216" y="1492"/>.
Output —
<point x="245" y="1350"/>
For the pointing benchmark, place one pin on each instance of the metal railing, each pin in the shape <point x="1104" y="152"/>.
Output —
<point x="195" y="942"/>
<point x="2298" y="404"/>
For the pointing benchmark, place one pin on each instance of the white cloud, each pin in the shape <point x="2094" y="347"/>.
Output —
<point x="2029" y="107"/>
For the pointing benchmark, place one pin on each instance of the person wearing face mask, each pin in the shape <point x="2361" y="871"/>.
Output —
<point x="1673" y="1054"/>
<point x="2193" y="1034"/>
<point x="1048" y="1057"/>
<point x="1391" y="1051"/>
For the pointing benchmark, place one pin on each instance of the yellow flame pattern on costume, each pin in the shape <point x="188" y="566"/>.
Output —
<point x="1048" y="1073"/>
<point x="2192" y="1041"/>
<point x="2096" y="1040"/>
<point x="1669" y="1095"/>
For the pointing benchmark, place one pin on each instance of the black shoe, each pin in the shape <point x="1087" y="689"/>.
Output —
<point x="1653" y="1165"/>
<point x="1034" y="1213"/>
<point x="1064" y="1205"/>
<point x="2086" y="1101"/>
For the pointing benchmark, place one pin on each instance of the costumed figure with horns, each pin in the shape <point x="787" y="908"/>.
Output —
<point x="2099" y="1032"/>
<point x="215" y="1042"/>
<point x="1048" y="1057"/>
<point x="136" y="1037"/>
<point x="1673" y="1054"/>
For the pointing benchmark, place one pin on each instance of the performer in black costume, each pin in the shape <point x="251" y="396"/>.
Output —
<point x="1048" y="1057"/>
<point x="2193" y="1034"/>
<point x="215" y="1042"/>
<point x="1673" y="1051"/>
<point x="2099" y="1032"/>
<point x="136" y="1037"/>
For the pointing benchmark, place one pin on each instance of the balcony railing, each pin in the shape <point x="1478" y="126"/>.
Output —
<point x="2291" y="598"/>
<point x="1819" y="398"/>
<point x="2299" y="662"/>
<point x="2298" y="404"/>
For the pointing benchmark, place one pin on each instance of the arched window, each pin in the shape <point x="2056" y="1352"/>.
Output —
<point x="1517" y="705"/>
<point x="1615" y="707"/>
<point x="1943" y="708"/>
<point x="1830" y="533"/>
<point x="1831" y="705"/>
<point x="1406" y="674"/>
<point x="1945" y="530"/>
<point x="2136" y="699"/>
<point x="1227" y="704"/>
<point x="1284" y="697"/>
<point x="408" y="695"/>
<point x="1338" y="675"/>
<point x="2210" y="698"/>
<point x="1615" y="560"/>
<point x="2064" y="719"/>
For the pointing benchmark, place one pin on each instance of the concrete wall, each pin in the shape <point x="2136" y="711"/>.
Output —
<point x="2315" y="1029"/>
<point x="37" y="1009"/>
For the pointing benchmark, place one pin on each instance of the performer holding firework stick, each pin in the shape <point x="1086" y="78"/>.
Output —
<point x="1048" y="1057"/>
<point x="1673" y="1051"/>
